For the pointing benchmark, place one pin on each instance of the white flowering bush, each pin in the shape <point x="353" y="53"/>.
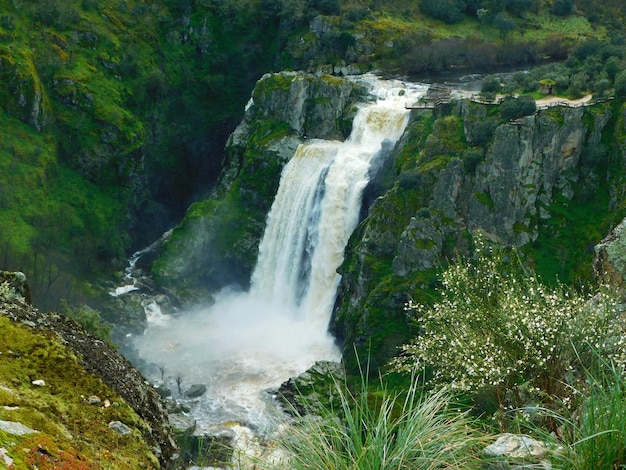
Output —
<point x="496" y="325"/>
<point x="6" y="290"/>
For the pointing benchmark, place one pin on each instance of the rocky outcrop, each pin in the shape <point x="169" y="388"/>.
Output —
<point x="610" y="257"/>
<point x="536" y="184"/>
<point x="540" y="183"/>
<point x="217" y="242"/>
<point x="28" y="100"/>
<point x="100" y="359"/>
<point x="311" y="391"/>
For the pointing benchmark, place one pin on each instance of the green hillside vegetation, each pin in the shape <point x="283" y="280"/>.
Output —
<point x="116" y="113"/>
<point x="495" y="351"/>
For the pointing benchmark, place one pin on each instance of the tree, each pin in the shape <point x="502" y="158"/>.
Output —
<point x="491" y="84"/>
<point x="448" y="11"/>
<point x="514" y="108"/>
<point x="518" y="7"/>
<point x="562" y="7"/>
<point x="504" y="23"/>
<point x="620" y="84"/>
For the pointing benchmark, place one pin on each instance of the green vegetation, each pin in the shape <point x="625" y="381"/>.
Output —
<point x="515" y="108"/>
<point x="595" y="434"/>
<point x="496" y="326"/>
<point x="552" y="358"/>
<point x="381" y="430"/>
<point x="90" y="320"/>
<point x="138" y="99"/>
<point x="72" y="432"/>
<point x="108" y="113"/>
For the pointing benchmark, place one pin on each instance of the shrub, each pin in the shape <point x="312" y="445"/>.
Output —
<point x="382" y="431"/>
<point x="490" y="83"/>
<point x="497" y="326"/>
<point x="90" y="320"/>
<point x="562" y="7"/>
<point x="448" y="11"/>
<point x="596" y="434"/>
<point x="483" y="131"/>
<point x="620" y="84"/>
<point x="513" y="108"/>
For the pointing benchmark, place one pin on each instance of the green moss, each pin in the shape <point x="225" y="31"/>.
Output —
<point x="439" y="162"/>
<point x="485" y="199"/>
<point x="72" y="433"/>
<point x="278" y="81"/>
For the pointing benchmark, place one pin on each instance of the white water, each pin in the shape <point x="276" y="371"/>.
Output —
<point x="252" y="341"/>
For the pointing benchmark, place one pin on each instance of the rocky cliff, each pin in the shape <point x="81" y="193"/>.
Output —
<point x="217" y="242"/>
<point x="548" y="183"/>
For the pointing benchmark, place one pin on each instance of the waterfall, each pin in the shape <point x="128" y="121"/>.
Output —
<point x="249" y="342"/>
<point x="316" y="210"/>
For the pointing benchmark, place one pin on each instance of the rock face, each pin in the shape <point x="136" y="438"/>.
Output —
<point x="544" y="184"/>
<point x="610" y="257"/>
<point x="195" y="391"/>
<point x="217" y="242"/>
<point x="539" y="184"/>
<point x="114" y="370"/>
<point x="310" y="391"/>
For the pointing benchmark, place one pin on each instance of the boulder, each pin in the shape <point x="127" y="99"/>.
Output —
<point x="517" y="451"/>
<point x="195" y="391"/>
<point x="119" y="428"/>
<point x="312" y="390"/>
<point x="15" y="428"/>
<point x="182" y="425"/>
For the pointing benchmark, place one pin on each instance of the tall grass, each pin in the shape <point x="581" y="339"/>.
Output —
<point x="595" y="436"/>
<point x="382" y="431"/>
<point x="591" y="428"/>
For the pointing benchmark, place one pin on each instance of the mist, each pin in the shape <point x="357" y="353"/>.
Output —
<point x="247" y="343"/>
<point x="240" y="347"/>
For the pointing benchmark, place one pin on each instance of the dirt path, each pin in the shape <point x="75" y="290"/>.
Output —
<point x="549" y="101"/>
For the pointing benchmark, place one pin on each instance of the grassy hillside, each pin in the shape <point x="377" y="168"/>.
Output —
<point x="114" y="115"/>
<point x="71" y="431"/>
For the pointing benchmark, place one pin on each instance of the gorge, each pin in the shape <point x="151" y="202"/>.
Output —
<point x="124" y="120"/>
<point x="250" y="342"/>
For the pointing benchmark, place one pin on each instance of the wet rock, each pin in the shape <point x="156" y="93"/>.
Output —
<point x="312" y="390"/>
<point x="15" y="428"/>
<point x="195" y="391"/>
<point x="163" y="391"/>
<point x="210" y="448"/>
<point x="176" y="407"/>
<point x="182" y="424"/>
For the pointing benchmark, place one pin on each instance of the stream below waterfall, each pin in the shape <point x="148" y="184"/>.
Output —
<point x="251" y="342"/>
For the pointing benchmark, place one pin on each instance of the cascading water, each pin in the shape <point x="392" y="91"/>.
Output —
<point x="249" y="342"/>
